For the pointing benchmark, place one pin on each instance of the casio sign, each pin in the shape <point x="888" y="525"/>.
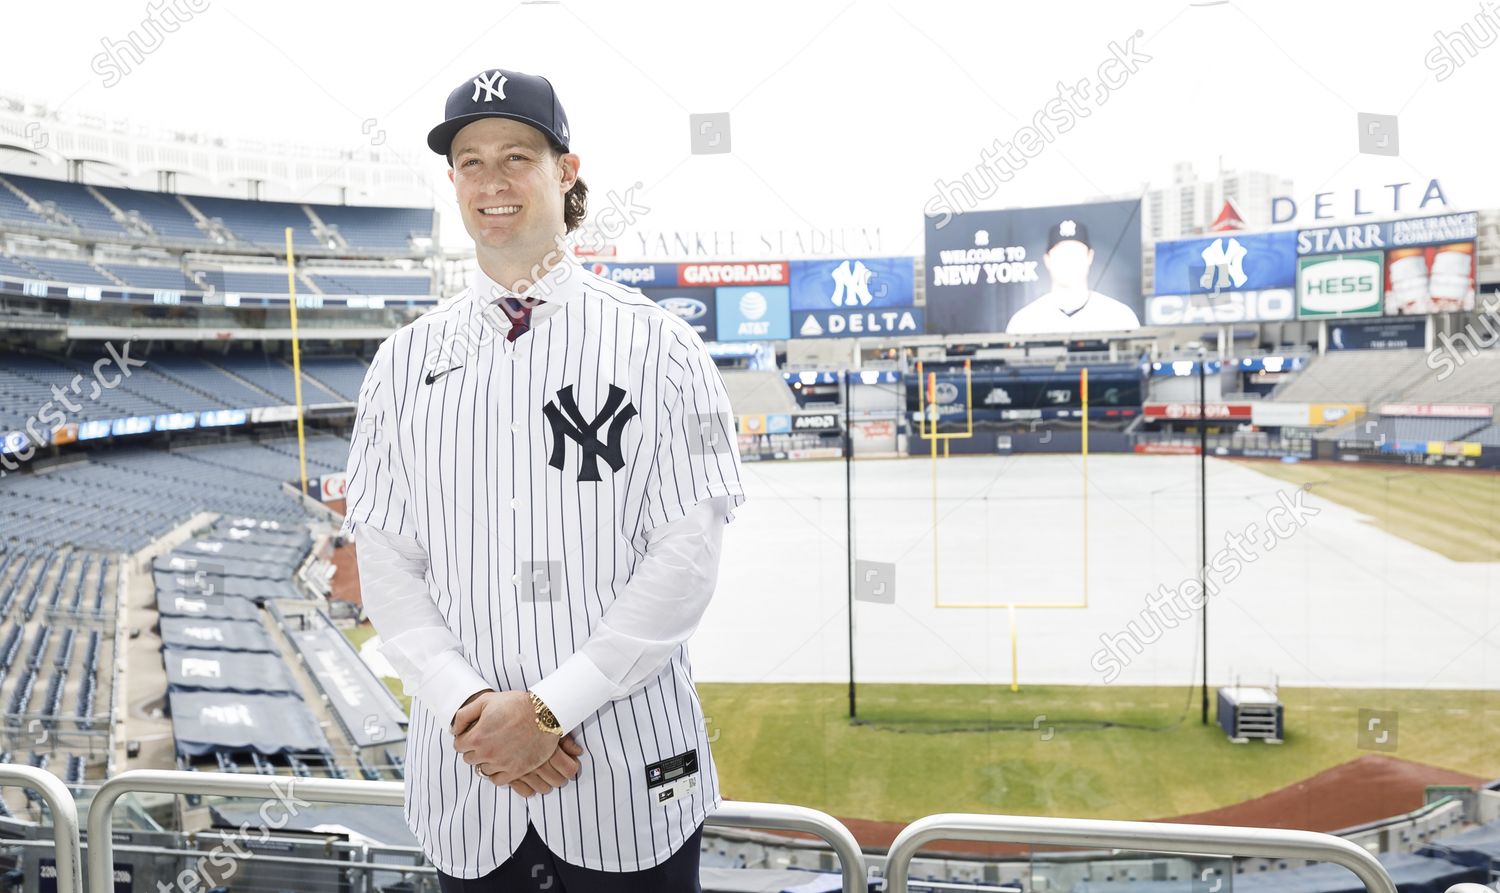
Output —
<point x="689" y="309"/>
<point x="820" y="422"/>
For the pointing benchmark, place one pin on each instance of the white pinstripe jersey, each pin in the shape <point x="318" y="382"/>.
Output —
<point x="464" y="465"/>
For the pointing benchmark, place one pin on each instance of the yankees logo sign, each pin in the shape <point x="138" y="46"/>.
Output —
<point x="568" y="423"/>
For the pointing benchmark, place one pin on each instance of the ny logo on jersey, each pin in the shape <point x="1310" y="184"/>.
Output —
<point x="568" y="422"/>
<point x="493" y="85"/>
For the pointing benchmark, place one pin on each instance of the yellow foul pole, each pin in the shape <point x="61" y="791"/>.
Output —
<point x="1083" y="389"/>
<point x="291" y="290"/>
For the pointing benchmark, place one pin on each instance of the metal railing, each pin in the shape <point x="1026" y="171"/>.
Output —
<point x="1154" y="837"/>
<point x="781" y="817"/>
<point x="733" y="814"/>
<point x="64" y="811"/>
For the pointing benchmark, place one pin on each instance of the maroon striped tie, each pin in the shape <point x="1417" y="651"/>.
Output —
<point x="519" y="312"/>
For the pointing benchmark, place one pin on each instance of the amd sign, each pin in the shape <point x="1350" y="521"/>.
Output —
<point x="823" y="421"/>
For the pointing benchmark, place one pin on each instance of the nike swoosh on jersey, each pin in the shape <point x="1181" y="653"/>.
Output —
<point x="434" y="376"/>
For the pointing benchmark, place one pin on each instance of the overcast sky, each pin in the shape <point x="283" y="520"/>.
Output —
<point x="841" y="114"/>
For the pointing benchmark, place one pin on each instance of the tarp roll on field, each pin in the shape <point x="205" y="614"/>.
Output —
<point x="217" y="606"/>
<point x="205" y="722"/>
<point x="219" y="635"/>
<point x="227" y="671"/>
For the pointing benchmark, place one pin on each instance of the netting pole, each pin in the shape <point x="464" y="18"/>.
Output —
<point x="849" y="522"/>
<point x="291" y="290"/>
<point x="1083" y="387"/>
<point x="1203" y="512"/>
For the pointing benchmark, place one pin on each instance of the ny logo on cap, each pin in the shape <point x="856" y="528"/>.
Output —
<point x="1067" y="228"/>
<point x="493" y="85"/>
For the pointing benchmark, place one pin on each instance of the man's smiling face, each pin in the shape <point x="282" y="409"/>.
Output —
<point x="510" y="184"/>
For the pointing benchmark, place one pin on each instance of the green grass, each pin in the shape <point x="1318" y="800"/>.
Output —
<point x="1453" y="513"/>
<point x="923" y="749"/>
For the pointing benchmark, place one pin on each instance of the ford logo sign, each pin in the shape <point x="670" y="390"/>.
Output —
<point x="687" y="308"/>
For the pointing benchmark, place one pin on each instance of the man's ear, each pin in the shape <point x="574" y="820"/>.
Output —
<point x="569" y="164"/>
<point x="450" y="175"/>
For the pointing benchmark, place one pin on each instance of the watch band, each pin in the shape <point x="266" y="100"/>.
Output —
<point x="545" y="720"/>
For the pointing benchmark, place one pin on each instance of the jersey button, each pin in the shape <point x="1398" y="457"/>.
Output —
<point x="514" y="504"/>
<point x="515" y="426"/>
<point x="515" y="579"/>
<point x="515" y="357"/>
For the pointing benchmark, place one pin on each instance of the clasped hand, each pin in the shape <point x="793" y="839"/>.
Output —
<point x="497" y="734"/>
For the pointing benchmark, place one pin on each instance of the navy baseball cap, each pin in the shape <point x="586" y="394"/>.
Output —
<point x="1068" y="231"/>
<point x="498" y="93"/>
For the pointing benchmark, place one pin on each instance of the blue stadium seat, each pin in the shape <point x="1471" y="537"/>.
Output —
<point x="377" y="285"/>
<point x="72" y="199"/>
<point x="260" y="224"/>
<point x="162" y="212"/>
<point x="377" y="228"/>
<point x="69" y="272"/>
<point x="153" y="277"/>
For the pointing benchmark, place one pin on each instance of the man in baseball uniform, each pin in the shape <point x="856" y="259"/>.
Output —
<point x="1071" y="306"/>
<point x="540" y="475"/>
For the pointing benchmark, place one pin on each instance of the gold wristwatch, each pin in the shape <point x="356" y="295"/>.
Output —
<point x="544" y="718"/>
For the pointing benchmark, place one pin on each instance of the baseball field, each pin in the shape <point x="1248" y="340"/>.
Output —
<point x="1384" y="600"/>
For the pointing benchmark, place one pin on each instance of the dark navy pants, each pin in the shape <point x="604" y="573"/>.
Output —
<point x="533" y="867"/>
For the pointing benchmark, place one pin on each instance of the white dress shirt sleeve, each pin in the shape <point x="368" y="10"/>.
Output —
<point x="657" y="611"/>
<point x="427" y="656"/>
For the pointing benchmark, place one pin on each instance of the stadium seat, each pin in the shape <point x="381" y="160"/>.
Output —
<point x="72" y="199"/>
<point x="391" y="229"/>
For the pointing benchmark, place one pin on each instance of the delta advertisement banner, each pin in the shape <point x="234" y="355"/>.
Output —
<point x="1413" y="266"/>
<point x="1065" y="269"/>
<point x="851" y="297"/>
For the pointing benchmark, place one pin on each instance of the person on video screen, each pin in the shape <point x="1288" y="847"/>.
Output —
<point x="1071" y="306"/>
